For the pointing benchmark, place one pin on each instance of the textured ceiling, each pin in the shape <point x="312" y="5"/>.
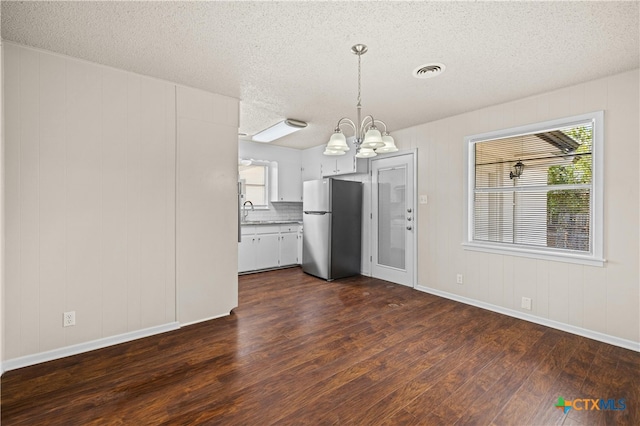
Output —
<point x="293" y="59"/>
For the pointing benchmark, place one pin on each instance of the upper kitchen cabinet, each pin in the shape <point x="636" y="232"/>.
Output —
<point x="316" y="165"/>
<point x="343" y="164"/>
<point x="311" y="163"/>
<point x="286" y="181"/>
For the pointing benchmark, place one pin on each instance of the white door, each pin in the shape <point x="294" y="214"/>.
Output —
<point x="393" y="219"/>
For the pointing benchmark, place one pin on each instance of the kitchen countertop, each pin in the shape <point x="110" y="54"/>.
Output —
<point x="270" y="222"/>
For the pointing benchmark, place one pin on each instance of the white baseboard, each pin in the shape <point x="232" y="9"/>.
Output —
<point x="205" y="319"/>
<point x="28" y="360"/>
<point x="601" y="337"/>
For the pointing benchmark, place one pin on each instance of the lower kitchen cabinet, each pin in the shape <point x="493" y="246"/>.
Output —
<point x="288" y="249"/>
<point x="300" y="245"/>
<point x="266" y="247"/>
<point x="246" y="253"/>
<point x="267" y="251"/>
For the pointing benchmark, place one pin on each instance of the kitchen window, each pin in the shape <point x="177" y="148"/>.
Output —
<point x="255" y="183"/>
<point x="537" y="190"/>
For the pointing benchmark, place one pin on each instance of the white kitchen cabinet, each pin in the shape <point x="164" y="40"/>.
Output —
<point x="267" y="251"/>
<point x="268" y="246"/>
<point x="348" y="163"/>
<point x="316" y="165"/>
<point x="311" y="163"/>
<point x="288" y="249"/>
<point x="344" y="164"/>
<point x="290" y="227"/>
<point x="259" y="251"/>
<point x="286" y="181"/>
<point x="328" y="164"/>
<point x="267" y="229"/>
<point x="246" y="253"/>
<point x="300" y="245"/>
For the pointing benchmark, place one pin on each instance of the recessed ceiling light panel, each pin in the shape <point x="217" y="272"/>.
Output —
<point x="429" y="70"/>
<point x="279" y="130"/>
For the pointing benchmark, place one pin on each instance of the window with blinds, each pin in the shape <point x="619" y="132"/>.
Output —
<point x="535" y="190"/>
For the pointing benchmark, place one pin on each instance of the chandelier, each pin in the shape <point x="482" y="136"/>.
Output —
<point x="368" y="140"/>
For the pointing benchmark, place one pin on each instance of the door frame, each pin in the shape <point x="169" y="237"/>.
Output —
<point x="413" y="152"/>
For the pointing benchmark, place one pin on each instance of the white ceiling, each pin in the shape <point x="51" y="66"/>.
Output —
<point x="293" y="59"/>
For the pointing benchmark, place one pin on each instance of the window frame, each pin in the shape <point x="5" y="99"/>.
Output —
<point x="596" y="255"/>
<point x="267" y="183"/>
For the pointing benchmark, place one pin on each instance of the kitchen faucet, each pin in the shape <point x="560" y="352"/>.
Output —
<point x="245" y="213"/>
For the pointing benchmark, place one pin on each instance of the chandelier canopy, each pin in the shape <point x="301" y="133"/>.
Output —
<point x="368" y="140"/>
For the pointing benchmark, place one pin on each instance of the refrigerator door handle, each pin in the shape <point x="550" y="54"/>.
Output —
<point x="318" y="213"/>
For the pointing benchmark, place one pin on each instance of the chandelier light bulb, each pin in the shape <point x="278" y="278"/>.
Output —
<point x="389" y="144"/>
<point x="373" y="138"/>
<point x="366" y="153"/>
<point x="338" y="142"/>
<point x="328" y="151"/>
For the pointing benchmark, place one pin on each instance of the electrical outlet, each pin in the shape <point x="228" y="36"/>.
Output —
<point x="69" y="319"/>
<point x="423" y="199"/>
<point x="459" y="278"/>
<point x="526" y="303"/>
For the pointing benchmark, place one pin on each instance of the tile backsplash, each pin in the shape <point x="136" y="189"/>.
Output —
<point x="278" y="211"/>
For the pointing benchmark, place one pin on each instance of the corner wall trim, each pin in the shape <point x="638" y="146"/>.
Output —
<point x="590" y="334"/>
<point x="28" y="360"/>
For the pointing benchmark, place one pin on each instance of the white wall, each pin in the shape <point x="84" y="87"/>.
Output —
<point x="89" y="169"/>
<point x="91" y="204"/>
<point x="207" y="236"/>
<point x="602" y="300"/>
<point x="1" y="206"/>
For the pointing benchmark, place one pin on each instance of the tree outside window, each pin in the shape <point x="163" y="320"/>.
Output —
<point x="568" y="211"/>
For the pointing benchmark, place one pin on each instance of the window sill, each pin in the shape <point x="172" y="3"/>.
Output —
<point x="535" y="254"/>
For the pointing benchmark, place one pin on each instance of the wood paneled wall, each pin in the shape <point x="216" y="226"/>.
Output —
<point x="600" y="299"/>
<point x="207" y="208"/>
<point x="90" y="202"/>
<point x="2" y="298"/>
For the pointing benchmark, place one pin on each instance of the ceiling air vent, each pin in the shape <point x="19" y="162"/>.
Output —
<point x="429" y="70"/>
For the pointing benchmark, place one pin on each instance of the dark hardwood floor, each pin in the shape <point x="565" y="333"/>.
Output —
<point x="361" y="351"/>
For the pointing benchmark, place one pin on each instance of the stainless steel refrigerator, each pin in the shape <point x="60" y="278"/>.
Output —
<point x="332" y="223"/>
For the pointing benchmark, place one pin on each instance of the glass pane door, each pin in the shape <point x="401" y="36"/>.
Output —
<point x="391" y="217"/>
